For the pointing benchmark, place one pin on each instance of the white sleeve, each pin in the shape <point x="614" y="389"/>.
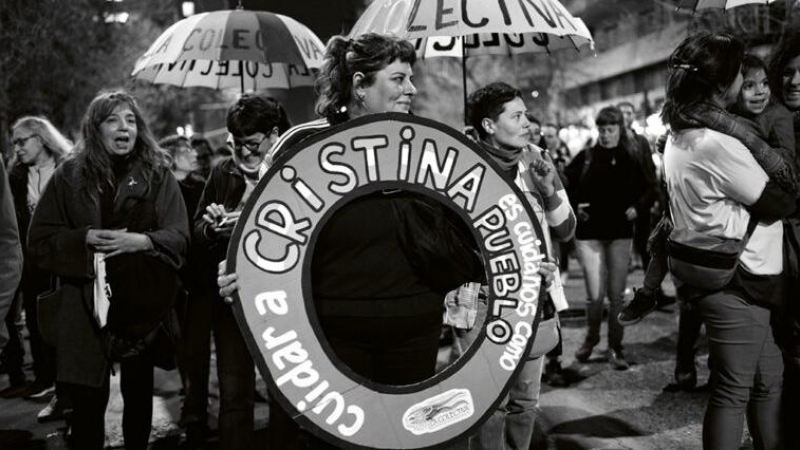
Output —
<point x="736" y="170"/>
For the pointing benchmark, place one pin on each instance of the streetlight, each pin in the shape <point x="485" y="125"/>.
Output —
<point x="187" y="9"/>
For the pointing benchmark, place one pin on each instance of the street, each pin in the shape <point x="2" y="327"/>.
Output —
<point x="608" y="409"/>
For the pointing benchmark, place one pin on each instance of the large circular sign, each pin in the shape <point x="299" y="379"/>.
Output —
<point x="271" y="250"/>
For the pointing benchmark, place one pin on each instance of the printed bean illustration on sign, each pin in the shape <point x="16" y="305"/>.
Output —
<point x="271" y="251"/>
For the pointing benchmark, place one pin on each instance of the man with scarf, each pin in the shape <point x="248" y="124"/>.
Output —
<point x="497" y="113"/>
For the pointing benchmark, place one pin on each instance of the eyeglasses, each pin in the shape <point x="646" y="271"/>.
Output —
<point x="251" y="147"/>
<point x="19" y="142"/>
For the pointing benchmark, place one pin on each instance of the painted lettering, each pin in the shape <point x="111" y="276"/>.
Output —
<point x="429" y="165"/>
<point x="332" y="167"/>
<point x="274" y="301"/>
<point x="411" y="27"/>
<point x="239" y="36"/>
<point x="369" y="145"/>
<point x="468" y="186"/>
<point x="441" y="11"/>
<point x="465" y="17"/>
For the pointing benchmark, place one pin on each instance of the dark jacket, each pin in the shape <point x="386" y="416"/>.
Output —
<point x="34" y="280"/>
<point x="11" y="251"/>
<point x="610" y="183"/>
<point x="57" y="243"/>
<point x="225" y="186"/>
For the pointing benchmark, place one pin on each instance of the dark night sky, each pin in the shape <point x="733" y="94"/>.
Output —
<point x="324" y="17"/>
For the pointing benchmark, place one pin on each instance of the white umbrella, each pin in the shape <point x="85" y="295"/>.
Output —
<point x="232" y="38"/>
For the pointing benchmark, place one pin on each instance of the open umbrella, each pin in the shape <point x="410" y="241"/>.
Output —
<point x="502" y="43"/>
<point x="418" y="19"/>
<point x="694" y="5"/>
<point x="233" y="37"/>
<point x="234" y="74"/>
<point x="463" y="29"/>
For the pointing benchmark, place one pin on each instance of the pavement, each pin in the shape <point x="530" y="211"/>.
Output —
<point x="608" y="409"/>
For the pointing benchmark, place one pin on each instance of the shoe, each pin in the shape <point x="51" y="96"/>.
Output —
<point x="617" y="360"/>
<point x="585" y="352"/>
<point x="196" y="435"/>
<point x="552" y="374"/>
<point x="53" y="411"/>
<point x="637" y="309"/>
<point x="684" y="381"/>
<point x="38" y="391"/>
<point x="662" y="300"/>
<point x="15" y="390"/>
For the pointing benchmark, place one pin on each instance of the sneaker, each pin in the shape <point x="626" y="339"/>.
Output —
<point x="38" y="391"/>
<point x="553" y="375"/>
<point x="617" y="360"/>
<point x="637" y="309"/>
<point x="585" y="352"/>
<point x="53" y="411"/>
<point x="663" y="300"/>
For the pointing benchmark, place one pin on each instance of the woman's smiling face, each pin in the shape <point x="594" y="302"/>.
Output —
<point x="118" y="131"/>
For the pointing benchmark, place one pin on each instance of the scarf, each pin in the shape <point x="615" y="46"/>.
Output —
<point x="506" y="158"/>
<point x="704" y="115"/>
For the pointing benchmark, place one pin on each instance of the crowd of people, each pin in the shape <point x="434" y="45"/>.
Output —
<point x="113" y="248"/>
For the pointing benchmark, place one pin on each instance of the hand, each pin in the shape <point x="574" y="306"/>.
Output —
<point x="631" y="214"/>
<point x="117" y="242"/>
<point x="548" y="270"/>
<point x="227" y="283"/>
<point x="543" y="175"/>
<point x="214" y="215"/>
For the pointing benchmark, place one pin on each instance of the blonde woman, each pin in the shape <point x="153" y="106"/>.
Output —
<point x="39" y="149"/>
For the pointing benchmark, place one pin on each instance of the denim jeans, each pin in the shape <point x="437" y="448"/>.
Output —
<point x="511" y="424"/>
<point x="605" y="272"/>
<point x="746" y="373"/>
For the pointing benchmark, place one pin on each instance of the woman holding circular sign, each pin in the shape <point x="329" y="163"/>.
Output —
<point x="381" y="313"/>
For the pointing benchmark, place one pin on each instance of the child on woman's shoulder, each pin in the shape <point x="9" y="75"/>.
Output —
<point x="765" y="117"/>
<point x="771" y="120"/>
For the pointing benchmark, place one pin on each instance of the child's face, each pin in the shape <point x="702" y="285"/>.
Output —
<point x="755" y="91"/>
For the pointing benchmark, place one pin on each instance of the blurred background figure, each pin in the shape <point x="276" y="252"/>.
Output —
<point x="204" y="153"/>
<point x="605" y="186"/>
<point x="535" y="129"/>
<point x="11" y="262"/>
<point x="220" y="153"/>
<point x="185" y="168"/>
<point x="40" y="148"/>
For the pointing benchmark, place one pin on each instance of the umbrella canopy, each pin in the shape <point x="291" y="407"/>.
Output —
<point x="418" y="19"/>
<point x="694" y="5"/>
<point x="244" y="75"/>
<point x="238" y="35"/>
<point x="502" y="43"/>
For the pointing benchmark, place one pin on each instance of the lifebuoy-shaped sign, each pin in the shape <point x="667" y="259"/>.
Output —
<point x="270" y="251"/>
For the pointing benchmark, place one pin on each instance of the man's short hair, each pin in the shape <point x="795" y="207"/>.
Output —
<point x="488" y="102"/>
<point x="256" y="113"/>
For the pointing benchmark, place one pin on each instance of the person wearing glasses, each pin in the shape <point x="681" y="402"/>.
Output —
<point x="39" y="148"/>
<point x="255" y="122"/>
